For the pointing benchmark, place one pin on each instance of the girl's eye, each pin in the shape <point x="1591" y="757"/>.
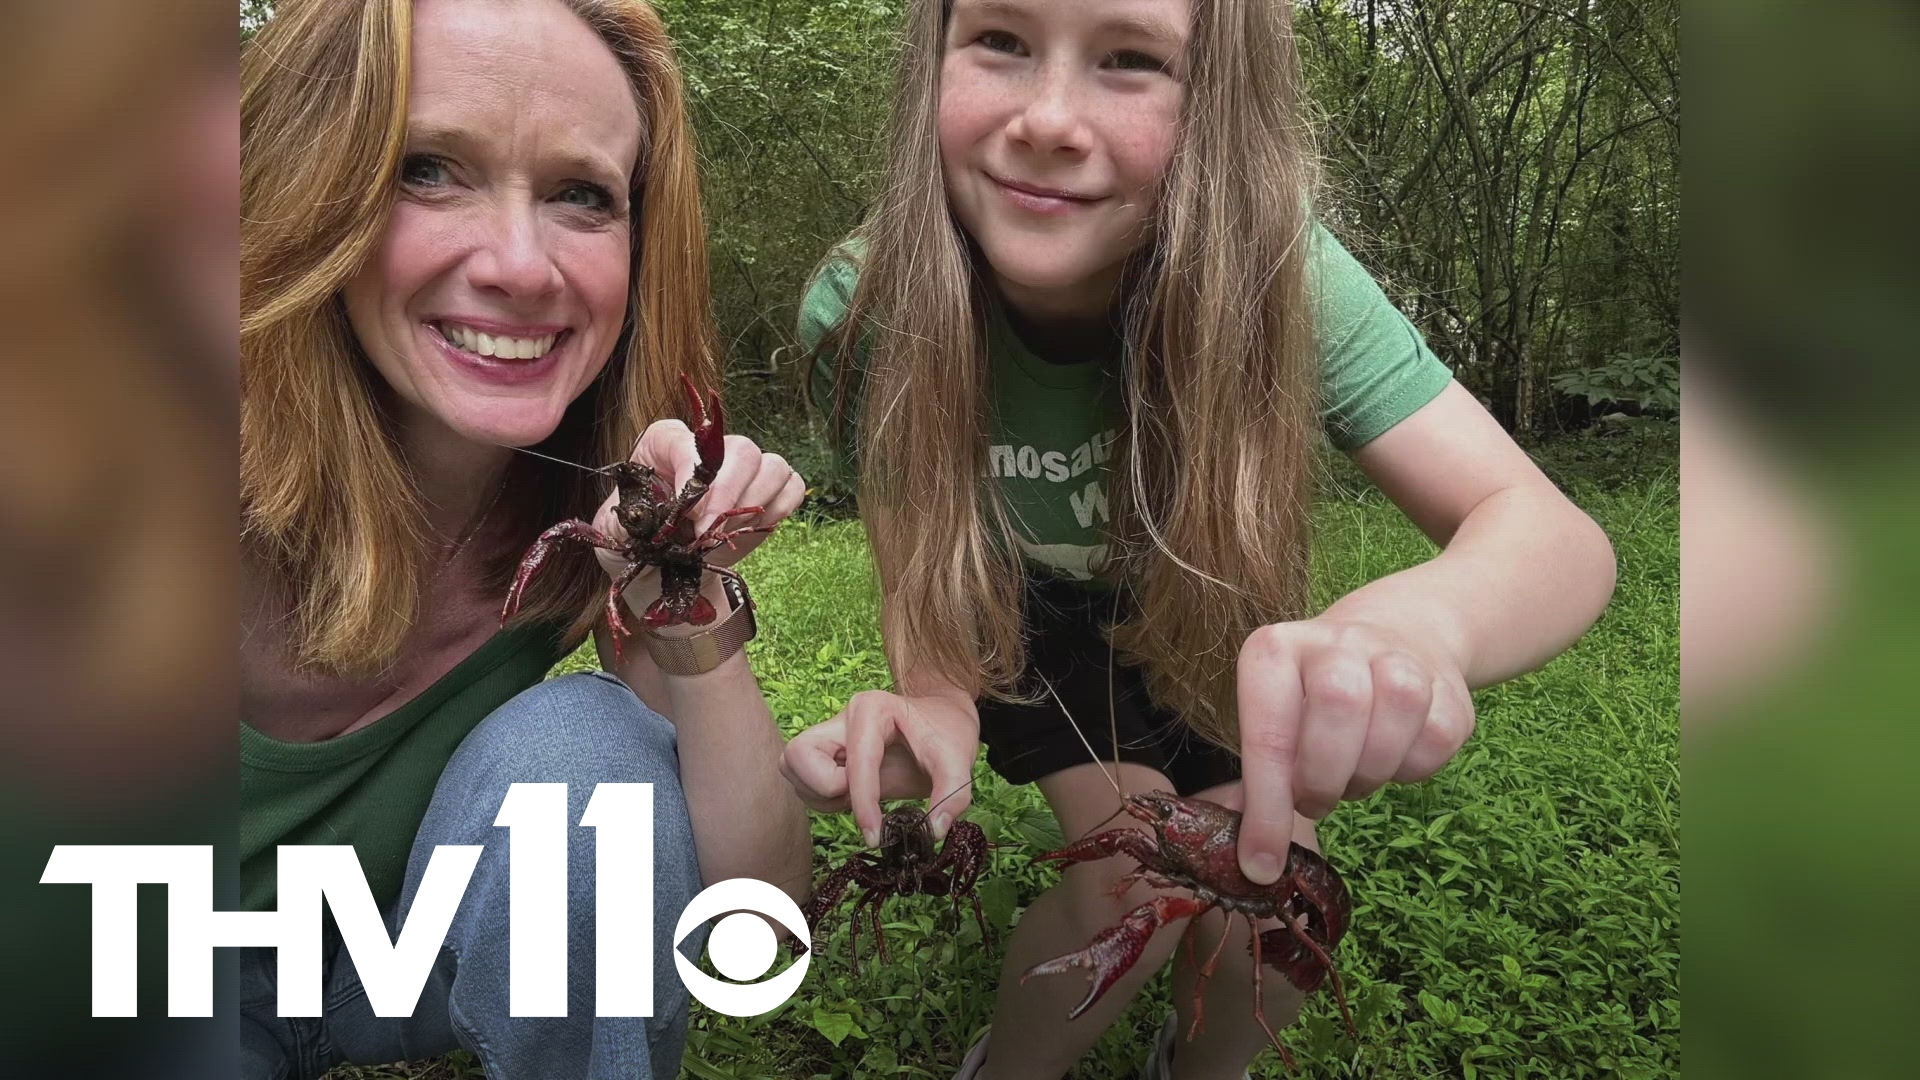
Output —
<point x="423" y="170"/>
<point x="1134" y="60"/>
<point x="1000" y="41"/>
<point x="588" y="197"/>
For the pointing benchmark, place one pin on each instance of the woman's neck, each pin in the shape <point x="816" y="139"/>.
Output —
<point x="458" y="479"/>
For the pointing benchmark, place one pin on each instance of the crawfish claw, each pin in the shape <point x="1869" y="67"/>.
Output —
<point x="1113" y="952"/>
<point x="536" y="558"/>
<point x="709" y="430"/>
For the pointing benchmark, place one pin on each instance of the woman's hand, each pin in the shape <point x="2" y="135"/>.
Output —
<point x="885" y="746"/>
<point x="746" y="478"/>
<point x="1332" y="709"/>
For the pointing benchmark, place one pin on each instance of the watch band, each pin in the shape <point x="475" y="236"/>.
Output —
<point x="696" y="654"/>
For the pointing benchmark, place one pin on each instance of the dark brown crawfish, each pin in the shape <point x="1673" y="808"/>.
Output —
<point x="1193" y="846"/>
<point x="905" y="864"/>
<point x="660" y="532"/>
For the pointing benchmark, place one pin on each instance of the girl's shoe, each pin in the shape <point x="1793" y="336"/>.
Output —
<point x="1159" y="1063"/>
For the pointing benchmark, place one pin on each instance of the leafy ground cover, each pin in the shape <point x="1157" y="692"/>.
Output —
<point x="1516" y="916"/>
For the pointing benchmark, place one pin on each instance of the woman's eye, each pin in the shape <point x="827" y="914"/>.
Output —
<point x="588" y="197"/>
<point x="1133" y="60"/>
<point x="423" y="170"/>
<point x="1000" y="41"/>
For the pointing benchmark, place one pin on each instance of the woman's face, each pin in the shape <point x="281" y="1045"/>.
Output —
<point x="1057" y="121"/>
<point x="500" y="286"/>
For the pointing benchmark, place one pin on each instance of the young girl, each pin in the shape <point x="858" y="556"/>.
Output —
<point x="1079" y="350"/>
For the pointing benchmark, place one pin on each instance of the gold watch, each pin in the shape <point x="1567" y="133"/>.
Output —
<point x="698" y="653"/>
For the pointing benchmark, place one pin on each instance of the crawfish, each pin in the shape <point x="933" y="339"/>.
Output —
<point x="1193" y="847"/>
<point x="659" y="532"/>
<point x="906" y="864"/>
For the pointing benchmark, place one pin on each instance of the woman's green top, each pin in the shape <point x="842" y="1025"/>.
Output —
<point x="370" y="788"/>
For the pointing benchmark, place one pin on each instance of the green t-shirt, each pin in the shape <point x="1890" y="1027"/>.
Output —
<point x="370" y="788"/>
<point x="1053" y="423"/>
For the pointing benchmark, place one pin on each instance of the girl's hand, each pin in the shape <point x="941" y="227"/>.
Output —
<point x="1332" y="709"/>
<point x="746" y="478"/>
<point x="885" y="746"/>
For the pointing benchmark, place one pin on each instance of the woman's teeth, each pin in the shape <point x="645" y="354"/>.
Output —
<point x="505" y="348"/>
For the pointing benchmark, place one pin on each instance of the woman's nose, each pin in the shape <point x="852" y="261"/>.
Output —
<point x="512" y="257"/>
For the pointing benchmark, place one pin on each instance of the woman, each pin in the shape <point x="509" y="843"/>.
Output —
<point x="471" y="227"/>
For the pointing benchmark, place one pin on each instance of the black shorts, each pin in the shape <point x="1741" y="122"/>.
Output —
<point x="1066" y="643"/>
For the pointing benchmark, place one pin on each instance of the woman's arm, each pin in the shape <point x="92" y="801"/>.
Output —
<point x="1376" y="688"/>
<point x="747" y="822"/>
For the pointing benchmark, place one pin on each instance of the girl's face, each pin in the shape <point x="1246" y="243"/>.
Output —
<point x="500" y="286"/>
<point x="1057" y="120"/>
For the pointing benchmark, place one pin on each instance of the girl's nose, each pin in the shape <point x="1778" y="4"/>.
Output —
<point x="512" y="258"/>
<point x="1050" y="122"/>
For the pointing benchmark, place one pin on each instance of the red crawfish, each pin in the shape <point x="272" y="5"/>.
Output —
<point x="905" y="864"/>
<point x="1193" y="846"/>
<point x="660" y="532"/>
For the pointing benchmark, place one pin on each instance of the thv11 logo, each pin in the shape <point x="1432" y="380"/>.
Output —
<point x="394" y="971"/>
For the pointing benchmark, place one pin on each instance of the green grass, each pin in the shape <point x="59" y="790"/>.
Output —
<point x="1516" y="916"/>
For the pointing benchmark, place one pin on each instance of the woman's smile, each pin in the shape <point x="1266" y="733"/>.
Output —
<point x="500" y="354"/>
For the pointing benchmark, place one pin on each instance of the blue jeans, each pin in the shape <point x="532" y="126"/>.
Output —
<point x="579" y="730"/>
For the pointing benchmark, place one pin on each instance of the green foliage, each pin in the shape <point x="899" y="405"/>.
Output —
<point x="1619" y="451"/>
<point x="1650" y="384"/>
<point x="1518" y="915"/>
<point x="1510" y="171"/>
<point x="253" y="15"/>
<point x="789" y="100"/>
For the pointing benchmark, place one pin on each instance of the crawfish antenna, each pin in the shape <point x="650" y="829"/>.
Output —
<point x="975" y="775"/>
<point x="1111" y="779"/>
<point x="1113" y="719"/>
<point x="951" y="794"/>
<point x="602" y="471"/>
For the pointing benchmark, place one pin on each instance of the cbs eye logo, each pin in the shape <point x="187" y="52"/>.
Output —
<point x="742" y="947"/>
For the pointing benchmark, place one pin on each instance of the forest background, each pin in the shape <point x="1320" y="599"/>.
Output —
<point x="1509" y="171"/>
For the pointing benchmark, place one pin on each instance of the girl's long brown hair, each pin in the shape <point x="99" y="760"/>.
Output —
<point x="1210" y="531"/>
<point x="326" y="496"/>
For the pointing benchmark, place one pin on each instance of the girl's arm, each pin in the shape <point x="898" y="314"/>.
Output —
<point x="1523" y="572"/>
<point x="746" y="821"/>
<point x="1377" y="687"/>
<point x="917" y="744"/>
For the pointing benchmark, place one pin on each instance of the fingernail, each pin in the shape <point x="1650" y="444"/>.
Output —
<point x="872" y="836"/>
<point x="1262" y="869"/>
